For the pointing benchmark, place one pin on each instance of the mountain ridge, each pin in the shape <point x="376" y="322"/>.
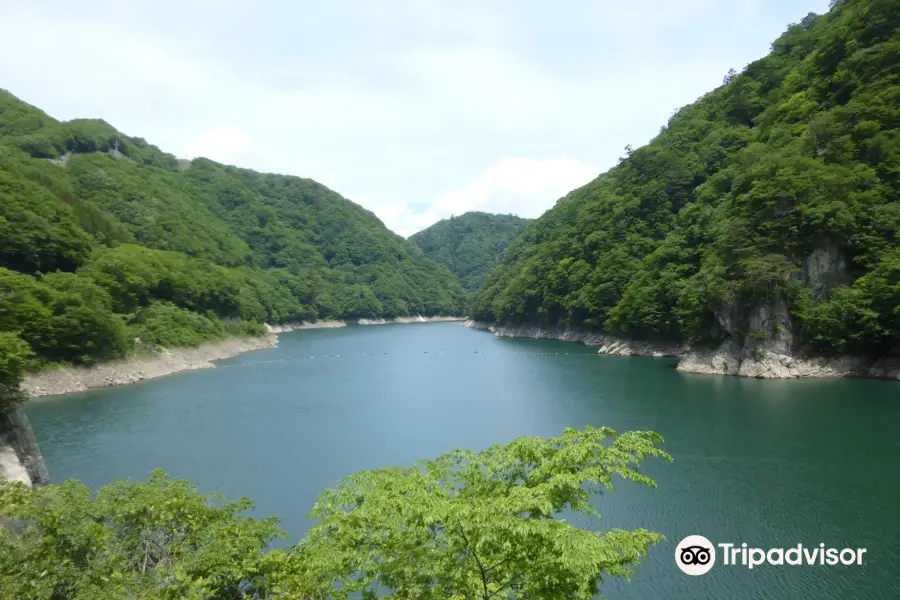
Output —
<point x="109" y="245"/>
<point x="761" y="223"/>
<point x="469" y="244"/>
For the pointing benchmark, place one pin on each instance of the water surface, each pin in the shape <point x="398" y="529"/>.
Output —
<point x="769" y="463"/>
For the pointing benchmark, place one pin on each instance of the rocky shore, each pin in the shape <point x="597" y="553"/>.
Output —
<point x="728" y="359"/>
<point x="300" y="325"/>
<point x="763" y="361"/>
<point x="132" y="370"/>
<point x="415" y="319"/>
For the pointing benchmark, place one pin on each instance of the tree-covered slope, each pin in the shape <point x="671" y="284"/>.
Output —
<point x="104" y="239"/>
<point x="779" y="192"/>
<point x="470" y="244"/>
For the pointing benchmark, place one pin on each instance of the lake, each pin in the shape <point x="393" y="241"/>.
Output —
<point x="769" y="463"/>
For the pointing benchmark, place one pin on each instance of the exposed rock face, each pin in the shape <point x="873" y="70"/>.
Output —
<point x="415" y="319"/>
<point x="20" y="457"/>
<point x="760" y="342"/>
<point x="608" y="344"/>
<point x="773" y="327"/>
<point x="617" y="347"/>
<point x="825" y="268"/>
<point x="768" y="357"/>
<point x="771" y="365"/>
<point x="421" y="319"/>
<point x="299" y="325"/>
<point x="371" y="321"/>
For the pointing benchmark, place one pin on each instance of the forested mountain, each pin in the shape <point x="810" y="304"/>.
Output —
<point x="776" y="195"/>
<point x="470" y="244"/>
<point x="104" y="239"/>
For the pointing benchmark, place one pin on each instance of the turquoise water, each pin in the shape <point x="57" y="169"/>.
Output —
<point x="769" y="463"/>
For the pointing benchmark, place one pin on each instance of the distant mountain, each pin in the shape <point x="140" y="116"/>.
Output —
<point x="104" y="238"/>
<point x="470" y="244"/>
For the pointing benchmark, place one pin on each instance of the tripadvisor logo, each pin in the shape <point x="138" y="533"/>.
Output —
<point x="696" y="555"/>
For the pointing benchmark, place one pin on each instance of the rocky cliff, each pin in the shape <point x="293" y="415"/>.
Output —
<point x="20" y="457"/>
<point x="761" y="341"/>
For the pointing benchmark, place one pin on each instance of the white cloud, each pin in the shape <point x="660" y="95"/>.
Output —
<point x="223" y="143"/>
<point x="522" y="186"/>
<point x="400" y="106"/>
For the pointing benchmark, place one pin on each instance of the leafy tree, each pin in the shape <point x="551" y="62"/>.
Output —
<point x="159" y="539"/>
<point x="482" y="524"/>
<point x="15" y="355"/>
<point x="465" y="525"/>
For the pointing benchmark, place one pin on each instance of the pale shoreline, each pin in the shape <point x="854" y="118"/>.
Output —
<point x="725" y="360"/>
<point x="69" y="380"/>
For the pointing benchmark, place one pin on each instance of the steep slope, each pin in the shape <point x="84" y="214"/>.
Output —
<point x="763" y="219"/>
<point x="105" y="239"/>
<point x="471" y="244"/>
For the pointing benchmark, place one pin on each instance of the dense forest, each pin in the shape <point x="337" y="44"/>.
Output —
<point x="105" y="240"/>
<point x="470" y="244"/>
<point x="779" y="190"/>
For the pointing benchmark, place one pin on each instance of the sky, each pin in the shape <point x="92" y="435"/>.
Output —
<point x="415" y="109"/>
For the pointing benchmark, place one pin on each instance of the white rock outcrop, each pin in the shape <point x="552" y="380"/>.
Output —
<point x="764" y="364"/>
<point x="764" y="358"/>
<point x="301" y="325"/>
<point x="414" y="319"/>
<point x="20" y="457"/>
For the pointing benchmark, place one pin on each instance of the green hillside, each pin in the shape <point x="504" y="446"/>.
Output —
<point x="104" y="238"/>
<point x="779" y="188"/>
<point x="471" y="244"/>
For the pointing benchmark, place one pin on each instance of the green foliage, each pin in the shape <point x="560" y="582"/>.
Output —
<point x="797" y="155"/>
<point x="156" y="239"/>
<point x="465" y="525"/>
<point x="160" y="539"/>
<point x="854" y="315"/>
<point x="134" y="275"/>
<point x="15" y="355"/>
<point x="18" y="118"/>
<point x="38" y="232"/>
<point x="62" y="316"/>
<point x="470" y="244"/>
<point x="483" y="524"/>
<point x="164" y="324"/>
